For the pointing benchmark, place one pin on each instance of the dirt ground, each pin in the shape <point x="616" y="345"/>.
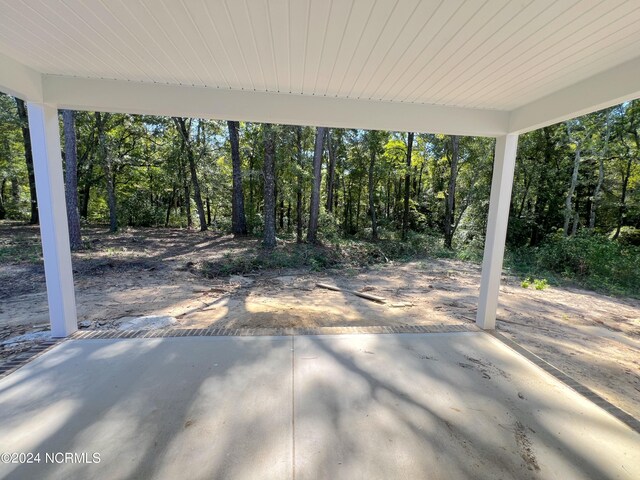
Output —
<point x="592" y="337"/>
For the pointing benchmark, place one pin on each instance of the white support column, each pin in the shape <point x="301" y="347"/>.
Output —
<point x="503" y="167"/>
<point x="47" y="163"/>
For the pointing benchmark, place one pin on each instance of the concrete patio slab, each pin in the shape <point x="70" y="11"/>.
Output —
<point x="445" y="406"/>
<point x="200" y="407"/>
<point x="386" y="406"/>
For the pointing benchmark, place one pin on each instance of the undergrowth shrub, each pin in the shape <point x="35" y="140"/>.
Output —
<point x="590" y="260"/>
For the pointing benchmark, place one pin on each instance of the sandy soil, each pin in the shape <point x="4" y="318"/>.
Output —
<point x="592" y="337"/>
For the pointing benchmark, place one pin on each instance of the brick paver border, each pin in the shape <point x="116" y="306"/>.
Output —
<point x="25" y="357"/>
<point x="243" y="332"/>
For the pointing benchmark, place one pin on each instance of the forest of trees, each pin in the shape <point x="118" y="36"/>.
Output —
<point x="574" y="179"/>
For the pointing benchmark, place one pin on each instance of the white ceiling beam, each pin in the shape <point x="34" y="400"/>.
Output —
<point x="612" y="87"/>
<point x="19" y="80"/>
<point x="222" y="104"/>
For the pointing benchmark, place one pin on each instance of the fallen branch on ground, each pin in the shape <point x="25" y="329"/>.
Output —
<point x="366" y="296"/>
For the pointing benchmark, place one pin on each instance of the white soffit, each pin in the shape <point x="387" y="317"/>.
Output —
<point x="485" y="55"/>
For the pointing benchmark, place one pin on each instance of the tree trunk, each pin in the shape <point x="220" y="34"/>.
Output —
<point x="187" y="198"/>
<point x="371" y="186"/>
<point x="28" y="155"/>
<point x="186" y="139"/>
<point x="281" y="220"/>
<point x="568" y="204"/>
<point x="208" y="211"/>
<point x="314" y="206"/>
<point x="238" y="219"/>
<point x="15" y="190"/>
<point x="623" y="198"/>
<point x="171" y="200"/>
<point x="356" y="225"/>
<point x="299" y="205"/>
<point x="252" y="206"/>
<point x="596" y="194"/>
<point x="407" y="185"/>
<point x="595" y="202"/>
<point x="71" y="178"/>
<point x="450" y="205"/>
<point x="269" y="172"/>
<point x="105" y="159"/>
<point x="3" y="211"/>
<point x="111" y="197"/>
<point x="86" y="192"/>
<point x="331" y="173"/>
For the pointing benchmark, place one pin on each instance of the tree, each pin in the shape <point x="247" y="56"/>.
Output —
<point x="450" y="203"/>
<point x="314" y="207"/>
<point x="107" y="164"/>
<point x="373" y="140"/>
<point x="269" y="173"/>
<point x="71" y="178"/>
<point x="28" y="155"/>
<point x="299" y="179"/>
<point x="181" y="125"/>
<point x="331" y="172"/>
<point x="407" y="185"/>
<point x="238" y="220"/>
<point x="597" y="192"/>
<point x="630" y="139"/>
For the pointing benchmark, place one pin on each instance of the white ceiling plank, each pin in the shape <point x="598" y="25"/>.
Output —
<point x="299" y="11"/>
<point x="40" y="32"/>
<point x="337" y="22"/>
<point x="201" y="102"/>
<point x="428" y="42"/>
<point x="210" y="54"/>
<point x="482" y="25"/>
<point x="542" y="47"/>
<point x="142" y="40"/>
<point x="395" y="24"/>
<point x="187" y="38"/>
<point x="27" y="50"/>
<point x="453" y="34"/>
<point x="358" y="17"/>
<point x="319" y="17"/>
<point x="164" y="29"/>
<point x="495" y="61"/>
<point x="247" y="38"/>
<point x="380" y="14"/>
<point x="419" y="18"/>
<point x="414" y="48"/>
<point x="603" y="55"/>
<point x="614" y="86"/>
<point x="92" y="21"/>
<point x="498" y="30"/>
<point x="484" y="54"/>
<point x="278" y="15"/>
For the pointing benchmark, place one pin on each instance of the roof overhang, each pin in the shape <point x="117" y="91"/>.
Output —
<point x="488" y="69"/>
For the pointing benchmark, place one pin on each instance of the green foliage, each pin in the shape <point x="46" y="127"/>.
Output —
<point x="629" y="236"/>
<point x="145" y="158"/>
<point x="589" y="260"/>
<point x="540" y="284"/>
<point x="20" y="248"/>
<point x="341" y="254"/>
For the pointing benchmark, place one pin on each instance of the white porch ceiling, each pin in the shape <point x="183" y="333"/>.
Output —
<point x="487" y="55"/>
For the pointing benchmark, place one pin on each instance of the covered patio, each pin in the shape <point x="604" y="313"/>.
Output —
<point x="444" y="405"/>
<point x="441" y="405"/>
